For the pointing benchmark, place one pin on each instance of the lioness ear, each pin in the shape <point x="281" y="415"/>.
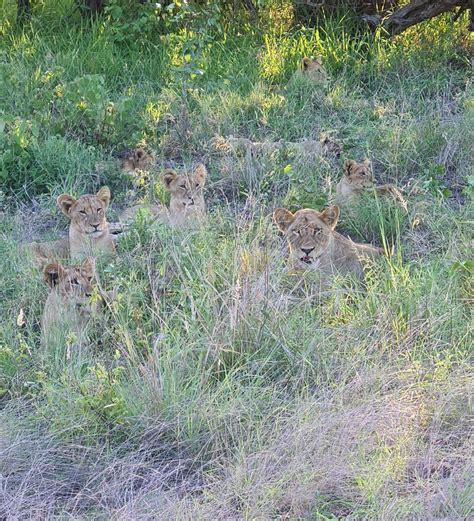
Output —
<point x="330" y="216"/>
<point x="168" y="177"/>
<point x="65" y="203"/>
<point x="349" y="164"/>
<point x="52" y="273"/>
<point x="366" y="163"/>
<point x="200" y="173"/>
<point x="104" y="195"/>
<point x="283" y="218"/>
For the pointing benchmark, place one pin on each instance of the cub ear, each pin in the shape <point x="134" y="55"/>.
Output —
<point x="65" y="202"/>
<point x="330" y="216"/>
<point x="200" y="173"/>
<point x="89" y="264"/>
<point x="283" y="218"/>
<point x="168" y="177"/>
<point x="305" y="63"/>
<point x="349" y="164"/>
<point x="104" y="195"/>
<point x="366" y="163"/>
<point x="52" y="273"/>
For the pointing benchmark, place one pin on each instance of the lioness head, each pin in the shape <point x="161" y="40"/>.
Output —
<point x="309" y="233"/>
<point x="313" y="69"/>
<point x="72" y="283"/>
<point x="186" y="190"/>
<point x="358" y="174"/>
<point x="87" y="213"/>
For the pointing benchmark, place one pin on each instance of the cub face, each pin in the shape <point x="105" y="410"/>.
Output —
<point x="313" y="69"/>
<point x="186" y="190"/>
<point x="73" y="284"/>
<point x="309" y="233"/>
<point x="87" y="213"/>
<point x="359" y="174"/>
<point x="137" y="159"/>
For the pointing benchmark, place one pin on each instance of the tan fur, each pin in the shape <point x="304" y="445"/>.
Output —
<point x="87" y="213"/>
<point x="313" y="70"/>
<point x="357" y="179"/>
<point x="137" y="159"/>
<point x="69" y="306"/>
<point x="325" y="146"/>
<point x="89" y="230"/>
<point x="186" y="202"/>
<point x="314" y="244"/>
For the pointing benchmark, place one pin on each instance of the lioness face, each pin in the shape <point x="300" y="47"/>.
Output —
<point x="186" y="189"/>
<point x="87" y="213"/>
<point x="309" y="233"/>
<point x="359" y="174"/>
<point x="73" y="283"/>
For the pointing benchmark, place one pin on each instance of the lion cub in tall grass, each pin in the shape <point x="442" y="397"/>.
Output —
<point x="358" y="178"/>
<point x="70" y="304"/>
<point x="313" y="70"/>
<point x="89" y="231"/>
<point x="315" y="245"/>
<point x="186" y="198"/>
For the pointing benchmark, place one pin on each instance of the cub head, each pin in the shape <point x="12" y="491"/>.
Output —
<point x="137" y="159"/>
<point x="358" y="174"/>
<point x="73" y="283"/>
<point x="313" y="69"/>
<point x="87" y="212"/>
<point x="309" y="233"/>
<point x="186" y="189"/>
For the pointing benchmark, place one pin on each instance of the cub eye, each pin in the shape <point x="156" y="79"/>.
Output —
<point x="99" y="210"/>
<point x="197" y="185"/>
<point x="75" y="282"/>
<point x="82" y="212"/>
<point x="182" y="186"/>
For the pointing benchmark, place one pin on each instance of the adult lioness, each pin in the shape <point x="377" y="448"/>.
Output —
<point x="314" y="245"/>
<point x="70" y="303"/>
<point x="358" y="178"/>
<point x="186" y="201"/>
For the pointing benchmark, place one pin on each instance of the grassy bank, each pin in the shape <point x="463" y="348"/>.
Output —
<point x="215" y="389"/>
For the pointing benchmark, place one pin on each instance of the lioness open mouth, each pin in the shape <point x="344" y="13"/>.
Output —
<point x="307" y="259"/>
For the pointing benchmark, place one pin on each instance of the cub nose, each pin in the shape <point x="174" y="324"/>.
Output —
<point x="95" y="226"/>
<point x="307" y="250"/>
<point x="191" y="201"/>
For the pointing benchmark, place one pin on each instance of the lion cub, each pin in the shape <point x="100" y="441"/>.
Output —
<point x="88" y="231"/>
<point x="186" y="201"/>
<point x="70" y="305"/>
<point x="314" y="245"/>
<point x="137" y="159"/>
<point x="313" y="70"/>
<point x="358" y="178"/>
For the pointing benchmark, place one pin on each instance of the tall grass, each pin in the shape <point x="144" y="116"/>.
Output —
<point x="218" y="385"/>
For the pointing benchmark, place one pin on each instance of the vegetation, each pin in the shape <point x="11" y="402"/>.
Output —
<point x="220" y="386"/>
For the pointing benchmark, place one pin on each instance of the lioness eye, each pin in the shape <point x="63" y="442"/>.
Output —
<point x="197" y="186"/>
<point x="75" y="282"/>
<point x="99" y="209"/>
<point x="182" y="186"/>
<point x="82" y="212"/>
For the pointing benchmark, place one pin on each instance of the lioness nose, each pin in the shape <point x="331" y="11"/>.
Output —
<point x="307" y="250"/>
<point x="95" y="226"/>
<point x="191" y="200"/>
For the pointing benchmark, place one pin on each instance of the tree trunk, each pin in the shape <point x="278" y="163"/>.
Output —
<point x="417" y="11"/>
<point x="23" y="10"/>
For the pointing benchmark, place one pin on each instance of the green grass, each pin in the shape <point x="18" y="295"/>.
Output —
<point x="213" y="389"/>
